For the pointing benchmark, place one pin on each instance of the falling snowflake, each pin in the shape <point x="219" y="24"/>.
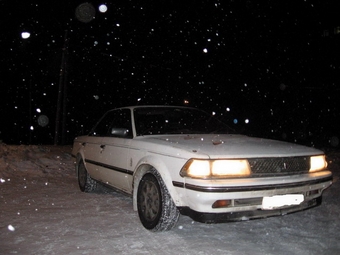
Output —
<point x="11" y="228"/>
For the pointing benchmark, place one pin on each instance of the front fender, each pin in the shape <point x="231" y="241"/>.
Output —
<point x="144" y="166"/>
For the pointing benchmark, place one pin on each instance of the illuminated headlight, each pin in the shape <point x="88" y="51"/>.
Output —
<point x="220" y="168"/>
<point x="317" y="163"/>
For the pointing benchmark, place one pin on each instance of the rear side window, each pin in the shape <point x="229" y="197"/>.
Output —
<point x="116" y="123"/>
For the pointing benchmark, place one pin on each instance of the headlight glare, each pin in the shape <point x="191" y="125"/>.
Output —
<point x="317" y="163"/>
<point x="230" y="168"/>
<point x="198" y="168"/>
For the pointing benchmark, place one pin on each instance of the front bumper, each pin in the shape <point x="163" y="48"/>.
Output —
<point x="241" y="199"/>
<point x="246" y="215"/>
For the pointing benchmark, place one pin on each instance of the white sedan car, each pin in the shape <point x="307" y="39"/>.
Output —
<point x="180" y="160"/>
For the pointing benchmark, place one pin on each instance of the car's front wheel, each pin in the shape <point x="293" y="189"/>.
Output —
<point x="85" y="182"/>
<point x="156" y="209"/>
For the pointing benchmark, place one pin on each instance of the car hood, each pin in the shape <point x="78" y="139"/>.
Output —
<point x="231" y="146"/>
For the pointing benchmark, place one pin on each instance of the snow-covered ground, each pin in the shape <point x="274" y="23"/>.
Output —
<point x="42" y="211"/>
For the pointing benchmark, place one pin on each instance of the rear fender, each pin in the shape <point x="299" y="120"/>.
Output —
<point x="79" y="157"/>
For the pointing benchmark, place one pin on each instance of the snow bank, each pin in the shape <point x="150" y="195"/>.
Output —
<point x="22" y="160"/>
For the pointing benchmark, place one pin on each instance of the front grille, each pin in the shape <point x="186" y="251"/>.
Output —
<point x="279" y="166"/>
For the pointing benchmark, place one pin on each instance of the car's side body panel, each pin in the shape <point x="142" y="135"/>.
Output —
<point x="114" y="163"/>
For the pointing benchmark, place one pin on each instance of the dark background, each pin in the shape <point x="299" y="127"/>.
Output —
<point x="273" y="63"/>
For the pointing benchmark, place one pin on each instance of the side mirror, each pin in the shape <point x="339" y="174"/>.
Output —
<point x="119" y="132"/>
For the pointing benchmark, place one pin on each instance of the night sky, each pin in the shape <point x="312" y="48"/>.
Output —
<point x="267" y="68"/>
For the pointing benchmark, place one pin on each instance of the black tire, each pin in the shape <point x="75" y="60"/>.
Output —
<point x="156" y="209"/>
<point x="85" y="182"/>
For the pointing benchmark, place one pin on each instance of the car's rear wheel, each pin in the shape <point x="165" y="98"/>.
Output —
<point x="86" y="183"/>
<point x="156" y="209"/>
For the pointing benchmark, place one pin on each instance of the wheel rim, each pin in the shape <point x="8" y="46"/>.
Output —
<point x="82" y="175"/>
<point x="150" y="200"/>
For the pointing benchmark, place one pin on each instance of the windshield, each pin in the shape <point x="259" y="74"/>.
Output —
<point x="176" y="120"/>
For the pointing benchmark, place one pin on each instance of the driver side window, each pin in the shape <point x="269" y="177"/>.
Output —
<point x="115" y="123"/>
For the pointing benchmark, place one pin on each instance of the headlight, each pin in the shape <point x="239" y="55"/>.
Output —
<point x="220" y="168"/>
<point x="317" y="163"/>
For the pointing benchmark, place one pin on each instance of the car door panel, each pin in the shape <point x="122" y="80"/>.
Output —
<point x="114" y="158"/>
<point x="109" y="149"/>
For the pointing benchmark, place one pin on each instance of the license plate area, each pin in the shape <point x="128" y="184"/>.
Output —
<point x="274" y="202"/>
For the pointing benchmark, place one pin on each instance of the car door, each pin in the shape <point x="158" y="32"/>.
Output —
<point x="93" y="147"/>
<point x="114" y="151"/>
